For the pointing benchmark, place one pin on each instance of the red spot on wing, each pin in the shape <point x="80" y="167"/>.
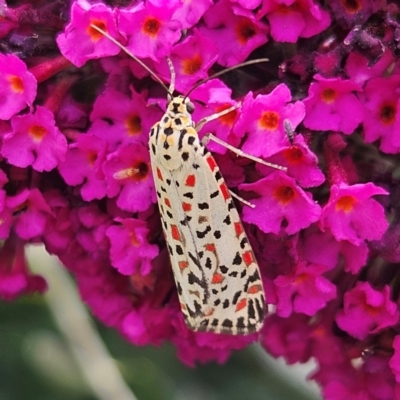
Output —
<point x="159" y="174"/>
<point x="238" y="228"/>
<point x="210" y="247"/>
<point x="175" y="233"/>
<point x="225" y="191"/>
<point x="183" y="306"/>
<point x="209" y="312"/>
<point x="242" y="304"/>
<point x="183" y="264"/>
<point x="211" y="162"/>
<point x="254" y="289"/>
<point x="190" y="180"/>
<point x="217" y="278"/>
<point x="186" y="206"/>
<point x="167" y="202"/>
<point x="248" y="257"/>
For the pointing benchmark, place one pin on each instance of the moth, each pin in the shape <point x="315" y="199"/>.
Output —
<point x="216" y="273"/>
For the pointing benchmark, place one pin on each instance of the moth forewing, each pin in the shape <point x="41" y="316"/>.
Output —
<point x="216" y="274"/>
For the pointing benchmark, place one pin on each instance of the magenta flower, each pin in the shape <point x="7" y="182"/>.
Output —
<point x="381" y="116"/>
<point x="150" y="28"/>
<point x="301" y="163"/>
<point x="332" y="105"/>
<point x="30" y="213"/>
<point x="190" y="12"/>
<point x="83" y="166"/>
<point x="234" y="31"/>
<point x="352" y="215"/>
<point x="92" y="44"/>
<point x="15" y="278"/>
<point x="34" y="140"/>
<point x="17" y="86"/>
<point x="367" y="311"/>
<point x="303" y="290"/>
<point x="191" y="58"/>
<point x="291" y="206"/>
<point x="302" y="18"/>
<point x="118" y="119"/>
<point x="130" y="251"/>
<point x="128" y="175"/>
<point x="262" y="118"/>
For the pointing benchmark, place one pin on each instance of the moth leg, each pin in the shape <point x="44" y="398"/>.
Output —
<point x="203" y="121"/>
<point x="242" y="200"/>
<point x="239" y="152"/>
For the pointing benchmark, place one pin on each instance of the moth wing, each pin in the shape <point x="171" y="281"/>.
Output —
<point x="216" y="273"/>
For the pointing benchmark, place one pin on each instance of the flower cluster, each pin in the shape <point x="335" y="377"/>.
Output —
<point x="75" y="114"/>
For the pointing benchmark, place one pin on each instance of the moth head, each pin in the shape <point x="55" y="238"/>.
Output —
<point x="180" y="105"/>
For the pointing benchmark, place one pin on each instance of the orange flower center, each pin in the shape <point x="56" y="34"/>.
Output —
<point x="151" y="26"/>
<point x="191" y="65"/>
<point x="351" y="6"/>
<point x="284" y="194"/>
<point x="269" y="120"/>
<point x="93" y="33"/>
<point x="16" y="84"/>
<point x="229" y="118"/>
<point x="345" y="203"/>
<point x="293" y="155"/>
<point x="37" y="132"/>
<point x="328" y="95"/>
<point x="387" y="113"/>
<point x="134" y="125"/>
<point x="245" y="30"/>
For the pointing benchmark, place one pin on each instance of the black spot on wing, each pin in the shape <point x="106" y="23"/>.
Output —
<point x="179" y="249"/>
<point x="227" y="219"/>
<point x="217" y="234"/>
<point x="168" y="131"/>
<point x="227" y="323"/>
<point x="191" y="140"/>
<point x="236" y="297"/>
<point x="203" y="206"/>
<point x="214" y="194"/>
<point x="185" y="156"/>
<point x="202" y="234"/>
<point x="181" y="136"/>
<point x="237" y="260"/>
<point x="225" y="304"/>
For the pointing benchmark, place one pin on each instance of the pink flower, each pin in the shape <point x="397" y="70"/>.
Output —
<point x="282" y="205"/>
<point x="367" y="311"/>
<point x="302" y="18"/>
<point x="262" y="118"/>
<point x="129" y="177"/>
<point x="83" y="166"/>
<point x="150" y="28"/>
<point x="394" y="362"/>
<point x="380" y="99"/>
<point x="303" y="290"/>
<point x="332" y="105"/>
<point x="34" y="140"/>
<point x="15" y="279"/>
<point x="92" y="44"/>
<point x="191" y="58"/>
<point x="190" y="12"/>
<point x="130" y="250"/>
<point x="352" y="215"/>
<point x="17" y="86"/>
<point x="235" y="32"/>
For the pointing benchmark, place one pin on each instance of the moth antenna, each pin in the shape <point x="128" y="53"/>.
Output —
<point x="224" y="71"/>
<point x="140" y="62"/>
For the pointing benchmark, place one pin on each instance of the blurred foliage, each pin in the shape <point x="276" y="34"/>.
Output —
<point x="35" y="363"/>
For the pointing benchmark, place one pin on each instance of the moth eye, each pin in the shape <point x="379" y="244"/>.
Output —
<point x="190" y="107"/>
